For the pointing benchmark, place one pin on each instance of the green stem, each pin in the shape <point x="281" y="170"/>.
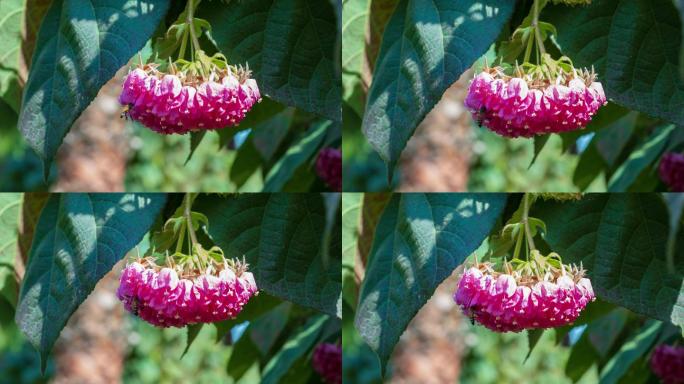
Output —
<point x="188" y="219"/>
<point x="189" y="21"/>
<point x="535" y="25"/>
<point x="525" y="220"/>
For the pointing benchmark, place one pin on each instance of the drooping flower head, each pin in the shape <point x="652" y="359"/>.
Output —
<point x="329" y="168"/>
<point x="542" y="294"/>
<point x="520" y="103"/>
<point x="176" y="295"/>
<point x="327" y="361"/>
<point x="184" y="101"/>
<point x="667" y="362"/>
<point x="671" y="171"/>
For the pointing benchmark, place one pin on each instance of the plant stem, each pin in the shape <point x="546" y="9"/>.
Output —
<point x="535" y="25"/>
<point x="189" y="21"/>
<point x="188" y="218"/>
<point x="525" y="220"/>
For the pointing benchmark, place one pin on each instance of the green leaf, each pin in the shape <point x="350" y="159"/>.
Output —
<point x="290" y="46"/>
<point x="265" y="330"/>
<point x="633" y="45"/>
<point x="80" y="47"/>
<point x="244" y="354"/>
<point x="419" y="240"/>
<point x="195" y="140"/>
<point x="268" y="135"/>
<point x="78" y="239"/>
<point x="280" y="235"/>
<point x="354" y="24"/>
<point x="10" y="206"/>
<point x="12" y="12"/>
<point x="539" y="144"/>
<point x="620" y="239"/>
<point x="295" y="347"/>
<point x="603" y="332"/>
<point x="351" y="219"/>
<point x="533" y="336"/>
<point x="298" y="154"/>
<point x="582" y="357"/>
<point x="193" y="331"/>
<point x="641" y="157"/>
<point x="425" y="48"/>
<point x="247" y="161"/>
<point x="630" y="351"/>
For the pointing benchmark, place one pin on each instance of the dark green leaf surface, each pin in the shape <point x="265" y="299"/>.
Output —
<point x="419" y="240"/>
<point x="81" y="45"/>
<point x="280" y="235"/>
<point x="426" y="46"/>
<point x="634" y="46"/>
<point x="290" y="46"/>
<point x="620" y="239"/>
<point x="78" y="239"/>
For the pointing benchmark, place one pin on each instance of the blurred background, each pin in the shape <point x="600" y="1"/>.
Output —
<point x="441" y="345"/>
<point x="449" y="152"/>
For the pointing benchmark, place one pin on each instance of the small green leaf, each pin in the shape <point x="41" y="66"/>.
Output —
<point x="630" y="351"/>
<point x="78" y="239"/>
<point x="296" y="156"/>
<point x="533" y="336"/>
<point x="195" y="140"/>
<point x="266" y="329"/>
<point x="582" y="357"/>
<point x="255" y="307"/>
<point x="247" y="161"/>
<point x="10" y="206"/>
<point x="642" y="156"/>
<point x="295" y="347"/>
<point x="193" y="331"/>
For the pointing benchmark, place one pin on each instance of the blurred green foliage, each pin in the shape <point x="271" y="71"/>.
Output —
<point x="500" y="358"/>
<point x="502" y="165"/>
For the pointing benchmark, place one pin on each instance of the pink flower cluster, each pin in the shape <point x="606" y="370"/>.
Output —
<point x="163" y="299"/>
<point x="329" y="168"/>
<point x="327" y="361"/>
<point x="667" y="362"/>
<point x="166" y="105"/>
<point x="672" y="171"/>
<point x="503" y="303"/>
<point x="511" y="107"/>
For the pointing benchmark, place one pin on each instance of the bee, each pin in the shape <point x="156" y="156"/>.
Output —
<point x="135" y="304"/>
<point x="481" y="116"/>
<point x="125" y="114"/>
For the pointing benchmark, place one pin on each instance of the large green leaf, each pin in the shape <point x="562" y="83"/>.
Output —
<point x="280" y="235"/>
<point x="290" y="46"/>
<point x="80" y="46"/>
<point x="10" y="206"/>
<point x="621" y="240"/>
<point x="295" y="347"/>
<point x="426" y="46"/>
<point x="633" y="45"/>
<point x="296" y="156"/>
<point x="78" y="239"/>
<point x="419" y="240"/>
<point x="11" y="17"/>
